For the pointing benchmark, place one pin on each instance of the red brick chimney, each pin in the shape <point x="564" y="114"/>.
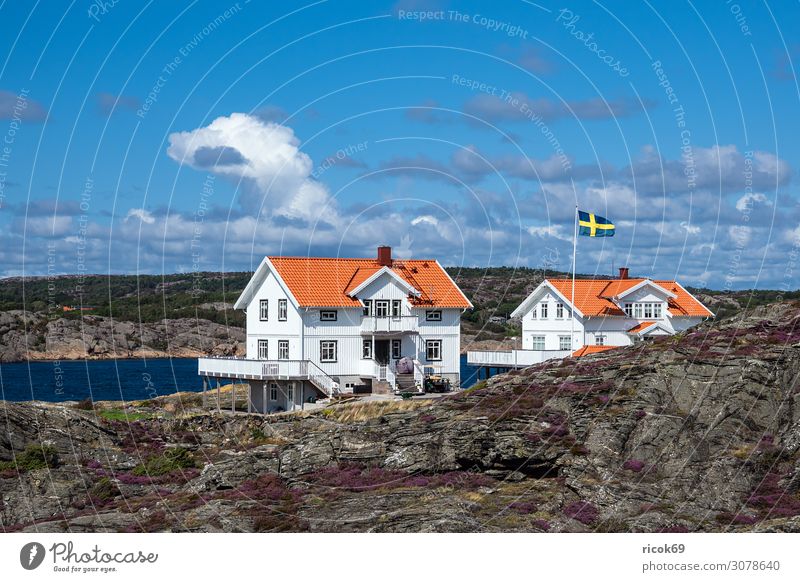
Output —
<point x="385" y="256"/>
<point x="623" y="272"/>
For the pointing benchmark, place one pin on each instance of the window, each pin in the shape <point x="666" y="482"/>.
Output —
<point x="637" y="310"/>
<point x="629" y="309"/>
<point x="533" y="312"/>
<point x="396" y="307"/>
<point x="433" y="350"/>
<point x="366" y="349"/>
<point x="544" y="310"/>
<point x="273" y="392"/>
<point x="327" y="351"/>
<point x="656" y="311"/>
<point x="599" y="339"/>
<point x="263" y="309"/>
<point x="283" y="349"/>
<point x="433" y="316"/>
<point x="290" y="392"/>
<point x="281" y="309"/>
<point x="367" y="307"/>
<point x="564" y="342"/>
<point x="537" y="342"/>
<point x="559" y="311"/>
<point x="328" y="315"/>
<point x="648" y="310"/>
<point x="263" y="350"/>
<point x="396" y="349"/>
<point x="382" y="308"/>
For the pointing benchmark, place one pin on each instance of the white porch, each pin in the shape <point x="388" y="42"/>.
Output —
<point x="513" y="358"/>
<point x="266" y="370"/>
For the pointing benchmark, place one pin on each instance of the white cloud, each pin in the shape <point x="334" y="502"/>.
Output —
<point x="268" y="156"/>
<point x="748" y="201"/>
<point x="690" y="228"/>
<point x="140" y="213"/>
<point x="553" y="230"/>
<point x="425" y="219"/>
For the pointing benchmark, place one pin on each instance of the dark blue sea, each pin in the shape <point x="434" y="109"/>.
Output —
<point x="114" y="379"/>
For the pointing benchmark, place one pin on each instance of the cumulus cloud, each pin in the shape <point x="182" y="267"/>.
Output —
<point x="425" y="219"/>
<point x="142" y="214"/>
<point x="749" y="200"/>
<point x="718" y="168"/>
<point x="207" y="157"/>
<point x="278" y="173"/>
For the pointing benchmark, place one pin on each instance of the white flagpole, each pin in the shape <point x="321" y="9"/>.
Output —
<point x="574" y="252"/>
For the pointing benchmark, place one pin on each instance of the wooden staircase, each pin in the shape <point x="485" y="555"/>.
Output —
<point x="406" y="383"/>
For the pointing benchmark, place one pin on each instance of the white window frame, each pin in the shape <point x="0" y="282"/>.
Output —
<point x="329" y="345"/>
<point x="290" y="393"/>
<point x="367" y="307"/>
<point x="433" y="346"/>
<point x="648" y="311"/>
<point x="433" y="315"/>
<point x="544" y="310"/>
<point x="564" y="340"/>
<point x="263" y="310"/>
<point x="629" y="309"/>
<point x="328" y="315"/>
<point x="559" y="311"/>
<point x="273" y="392"/>
<point x="397" y="349"/>
<point x="262" y="343"/>
<point x="397" y="306"/>
<point x="599" y="339"/>
<point x="533" y="311"/>
<point x="637" y="311"/>
<point x="283" y="349"/>
<point x="366" y="349"/>
<point x="282" y="310"/>
<point x="382" y="307"/>
<point x="537" y="342"/>
<point x="658" y="310"/>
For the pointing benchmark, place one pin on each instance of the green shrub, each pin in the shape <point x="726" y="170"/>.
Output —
<point x="32" y="458"/>
<point x="171" y="460"/>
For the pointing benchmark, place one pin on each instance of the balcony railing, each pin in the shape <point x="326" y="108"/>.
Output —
<point x="267" y="370"/>
<point x="390" y="324"/>
<point x="514" y="358"/>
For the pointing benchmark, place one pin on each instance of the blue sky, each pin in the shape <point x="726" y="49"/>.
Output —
<point x="170" y="137"/>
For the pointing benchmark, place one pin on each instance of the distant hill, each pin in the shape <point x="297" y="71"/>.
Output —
<point x="495" y="292"/>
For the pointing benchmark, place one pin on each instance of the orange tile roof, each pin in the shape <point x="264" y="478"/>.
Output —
<point x="326" y="282"/>
<point x="593" y="296"/>
<point x="586" y="350"/>
<point x="641" y="326"/>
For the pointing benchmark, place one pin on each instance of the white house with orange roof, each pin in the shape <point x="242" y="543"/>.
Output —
<point x="607" y="313"/>
<point x="321" y="326"/>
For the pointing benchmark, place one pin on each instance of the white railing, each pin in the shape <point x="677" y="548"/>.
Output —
<point x="321" y="379"/>
<point x="387" y="374"/>
<point x="267" y="370"/>
<point x="400" y="323"/>
<point x="514" y="358"/>
<point x="419" y="373"/>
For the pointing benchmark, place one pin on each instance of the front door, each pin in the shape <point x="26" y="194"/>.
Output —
<point x="382" y="351"/>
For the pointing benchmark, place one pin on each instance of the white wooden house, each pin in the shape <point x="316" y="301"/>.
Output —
<point x="607" y="313"/>
<point x="321" y="326"/>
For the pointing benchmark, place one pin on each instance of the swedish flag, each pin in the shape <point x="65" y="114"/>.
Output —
<point x="593" y="225"/>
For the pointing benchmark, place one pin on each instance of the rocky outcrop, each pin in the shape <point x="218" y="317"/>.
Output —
<point x="697" y="432"/>
<point x="27" y="335"/>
